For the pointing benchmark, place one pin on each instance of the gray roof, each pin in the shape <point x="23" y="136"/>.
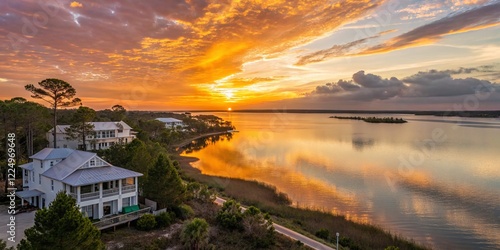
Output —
<point x="168" y="120"/>
<point x="67" y="166"/>
<point x="124" y="125"/>
<point x="29" y="193"/>
<point x="88" y="176"/>
<point x="27" y="166"/>
<point x="52" y="153"/>
<point x="97" y="126"/>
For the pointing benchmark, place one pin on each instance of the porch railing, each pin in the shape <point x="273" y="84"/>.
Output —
<point x="120" y="219"/>
<point x="89" y="196"/>
<point x="128" y="189"/>
<point x="109" y="192"/>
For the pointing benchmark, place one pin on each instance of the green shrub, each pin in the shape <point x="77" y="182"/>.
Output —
<point x="184" y="212"/>
<point x="230" y="215"/>
<point x="323" y="234"/>
<point x="195" y="234"/>
<point x="146" y="222"/>
<point x="165" y="219"/>
<point x="348" y="242"/>
<point x="391" y="248"/>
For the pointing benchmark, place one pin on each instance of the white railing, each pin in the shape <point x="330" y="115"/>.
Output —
<point x="89" y="196"/>
<point x="128" y="189"/>
<point x="120" y="219"/>
<point x="109" y="192"/>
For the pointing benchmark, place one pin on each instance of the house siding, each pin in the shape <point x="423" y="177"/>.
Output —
<point x="44" y="184"/>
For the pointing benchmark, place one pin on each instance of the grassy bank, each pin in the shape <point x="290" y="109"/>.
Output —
<point x="308" y="222"/>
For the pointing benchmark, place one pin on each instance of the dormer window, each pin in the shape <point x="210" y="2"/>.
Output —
<point x="92" y="162"/>
<point x="51" y="163"/>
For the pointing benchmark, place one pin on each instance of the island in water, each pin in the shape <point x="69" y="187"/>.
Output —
<point x="372" y="119"/>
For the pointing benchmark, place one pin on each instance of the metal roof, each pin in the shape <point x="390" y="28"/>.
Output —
<point x="67" y="166"/>
<point x="88" y="176"/>
<point x="29" y="193"/>
<point x="97" y="126"/>
<point x="168" y="120"/>
<point x="27" y="166"/>
<point x="52" y="153"/>
<point x="124" y="125"/>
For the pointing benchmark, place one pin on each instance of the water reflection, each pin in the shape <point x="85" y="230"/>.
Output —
<point x="360" y="143"/>
<point x="446" y="195"/>
<point x="202" y="143"/>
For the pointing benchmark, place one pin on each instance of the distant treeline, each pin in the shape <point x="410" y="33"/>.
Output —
<point x="372" y="119"/>
<point x="477" y="113"/>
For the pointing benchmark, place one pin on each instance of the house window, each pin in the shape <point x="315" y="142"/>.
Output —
<point x="88" y="211"/>
<point x="92" y="162"/>
<point x="72" y="189"/>
<point x="65" y="146"/>
<point x="128" y="181"/>
<point x="52" y="184"/>
<point x="125" y="202"/>
<point x="51" y="163"/>
<point x="86" y="189"/>
<point x="40" y="179"/>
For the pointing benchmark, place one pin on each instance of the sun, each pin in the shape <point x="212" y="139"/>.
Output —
<point x="229" y="109"/>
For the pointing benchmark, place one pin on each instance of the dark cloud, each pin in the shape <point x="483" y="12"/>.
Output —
<point x="362" y="87"/>
<point x="433" y="83"/>
<point x="461" y="70"/>
<point x="440" y="83"/>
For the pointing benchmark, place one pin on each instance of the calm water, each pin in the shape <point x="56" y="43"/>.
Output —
<point x="433" y="179"/>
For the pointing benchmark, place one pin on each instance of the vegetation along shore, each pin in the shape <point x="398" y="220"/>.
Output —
<point x="372" y="119"/>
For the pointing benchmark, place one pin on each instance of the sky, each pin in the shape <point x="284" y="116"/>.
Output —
<point x="255" y="54"/>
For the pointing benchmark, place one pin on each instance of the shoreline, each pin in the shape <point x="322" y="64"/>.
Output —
<point x="306" y="221"/>
<point x="186" y="142"/>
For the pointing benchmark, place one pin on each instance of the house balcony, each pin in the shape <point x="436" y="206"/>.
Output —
<point x="89" y="196"/>
<point x="128" y="189"/>
<point x="105" y="193"/>
<point x="110" y="192"/>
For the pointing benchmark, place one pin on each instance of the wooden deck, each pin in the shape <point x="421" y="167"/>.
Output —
<point x="120" y="219"/>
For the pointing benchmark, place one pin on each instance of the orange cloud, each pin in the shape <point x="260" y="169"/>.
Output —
<point x="76" y="4"/>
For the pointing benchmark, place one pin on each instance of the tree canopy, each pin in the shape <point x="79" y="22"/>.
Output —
<point x="57" y="93"/>
<point x="80" y="126"/>
<point x="194" y="234"/>
<point x="61" y="226"/>
<point x="163" y="184"/>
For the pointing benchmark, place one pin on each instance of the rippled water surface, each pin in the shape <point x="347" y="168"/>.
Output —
<point x="436" y="180"/>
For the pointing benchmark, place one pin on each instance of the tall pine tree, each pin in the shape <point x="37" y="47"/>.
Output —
<point x="81" y="126"/>
<point x="163" y="184"/>
<point x="61" y="226"/>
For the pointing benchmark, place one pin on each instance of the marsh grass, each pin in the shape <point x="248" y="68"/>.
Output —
<point x="306" y="221"/>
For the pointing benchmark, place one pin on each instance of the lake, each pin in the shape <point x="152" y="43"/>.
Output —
<point x="433" y="179"/>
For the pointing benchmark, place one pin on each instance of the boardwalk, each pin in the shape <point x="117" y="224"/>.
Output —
<point x="120" y="219"/>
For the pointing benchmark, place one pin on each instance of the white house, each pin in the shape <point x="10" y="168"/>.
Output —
<point x="106" y="135"/>
<point x="171" y="122"/>
<point x="99" y="188"/>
